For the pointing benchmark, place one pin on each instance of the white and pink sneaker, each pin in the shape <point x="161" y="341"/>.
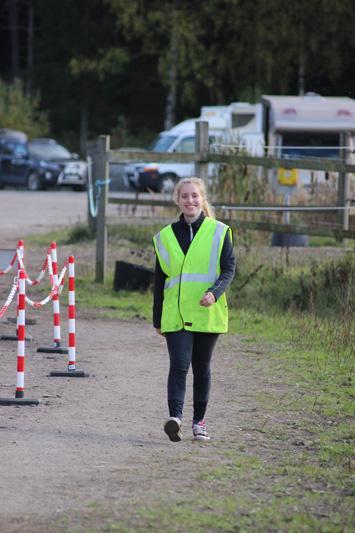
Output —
<point x="199" y="431"/>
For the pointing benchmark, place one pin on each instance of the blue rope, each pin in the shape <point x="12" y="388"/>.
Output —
<point x="98" y="186"/>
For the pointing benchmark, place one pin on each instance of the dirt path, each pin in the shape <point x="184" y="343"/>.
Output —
<point x="98" y="440"/>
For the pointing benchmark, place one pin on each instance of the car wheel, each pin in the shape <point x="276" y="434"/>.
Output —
<point x="34" y="182"/>
<point x="167" y="183"/>
<point x="79" y="187"/>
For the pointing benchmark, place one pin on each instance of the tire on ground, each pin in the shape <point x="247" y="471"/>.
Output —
<point x="34" y="182"/>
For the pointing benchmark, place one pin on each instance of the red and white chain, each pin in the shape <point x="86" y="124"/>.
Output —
<point x="41" y="274"/>
<point x="56" y="289"/>
<point x="10" y="297"/>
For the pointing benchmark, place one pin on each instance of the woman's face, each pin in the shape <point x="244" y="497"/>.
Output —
<point x="190" y="201"/>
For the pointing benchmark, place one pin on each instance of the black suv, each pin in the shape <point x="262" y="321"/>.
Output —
<point x="19" y="167"/>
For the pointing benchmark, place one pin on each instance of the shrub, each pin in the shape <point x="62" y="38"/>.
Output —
<point x="21" y="112"/>
<point x="320" y="289"/>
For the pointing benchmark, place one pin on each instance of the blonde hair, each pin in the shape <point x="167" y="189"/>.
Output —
<point x="200" y="184"/>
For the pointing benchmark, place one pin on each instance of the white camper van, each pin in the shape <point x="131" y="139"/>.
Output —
<point x="237" y="123"/>
<point x="243" y="126"/>
<point x="305" y="127"/>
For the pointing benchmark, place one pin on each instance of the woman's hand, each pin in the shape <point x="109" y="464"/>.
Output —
<point x="158" y="330"/>
<point x="207" y="299"/>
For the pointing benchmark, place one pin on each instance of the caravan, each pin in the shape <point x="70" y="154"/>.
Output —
<point x="309" y="126"/>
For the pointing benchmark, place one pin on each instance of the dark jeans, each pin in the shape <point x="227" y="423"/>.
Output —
<point x="185" y="348"/>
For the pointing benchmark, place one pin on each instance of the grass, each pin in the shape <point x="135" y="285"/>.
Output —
<point x="112" y="304"/>
<point x="248" y="494"/>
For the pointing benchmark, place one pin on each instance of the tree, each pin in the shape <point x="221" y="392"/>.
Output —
<point x="20" y="112"/>
<point x="137" y="66"/>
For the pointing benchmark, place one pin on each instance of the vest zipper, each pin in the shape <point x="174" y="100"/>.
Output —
<point x="182" y="268"/>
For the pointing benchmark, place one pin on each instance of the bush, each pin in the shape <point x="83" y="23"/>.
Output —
<point x="21" y="112"/>
<point x="320" y="289"/>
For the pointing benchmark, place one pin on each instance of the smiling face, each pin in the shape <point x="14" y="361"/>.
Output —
<point x="190" y="201"/>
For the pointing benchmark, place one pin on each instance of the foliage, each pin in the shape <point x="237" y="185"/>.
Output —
<point x="105" y="59"/>
<point x="20" y="112"/>
<point x="239" y="183"/>
<point x="321" y="289"/>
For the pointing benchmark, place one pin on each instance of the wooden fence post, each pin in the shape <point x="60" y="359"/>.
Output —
<point x="202" y="146"/>
<point x="102" y="177"/>
<point x="344" y="185"/>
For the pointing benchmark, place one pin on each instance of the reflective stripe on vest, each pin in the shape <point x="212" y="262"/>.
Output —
<point x="162" y="250"/>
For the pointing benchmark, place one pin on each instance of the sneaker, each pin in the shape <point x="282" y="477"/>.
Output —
<point x="199" y="431"/>
<point x="172" y="428"/>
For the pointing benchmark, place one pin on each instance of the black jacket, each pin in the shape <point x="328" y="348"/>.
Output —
<point x="184" y="233"/>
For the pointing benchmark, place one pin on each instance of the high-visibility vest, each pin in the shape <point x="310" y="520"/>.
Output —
<point x="189" y="277"/>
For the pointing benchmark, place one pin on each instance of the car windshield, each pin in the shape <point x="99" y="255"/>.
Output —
<point x="162" y="143"/>
<point x="49" y="151"/>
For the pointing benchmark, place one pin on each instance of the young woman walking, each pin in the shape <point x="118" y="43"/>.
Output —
<point x="195" y="264"/>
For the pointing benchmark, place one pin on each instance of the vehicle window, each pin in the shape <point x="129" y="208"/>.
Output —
<point x="48" y="151"/>
<point x="310" y="144"/>
<point x="186" y="145"/>
<point x="162" y="143"/>
<point x="241" y="120"/>
<point x="8" y="148"/>
<point x="20" y="150"/>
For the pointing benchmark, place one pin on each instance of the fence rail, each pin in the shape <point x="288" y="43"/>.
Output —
<point x="119" y="156"/>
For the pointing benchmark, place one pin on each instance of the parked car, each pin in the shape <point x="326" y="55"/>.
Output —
<point x="73" y="172"/>
<point x="37" y="164"/>
<point x="18" y="168"/>
<point x="162" y="177"/>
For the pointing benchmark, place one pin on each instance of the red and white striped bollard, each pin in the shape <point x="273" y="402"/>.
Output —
<point x="21" y="331"/>
<point x="21" y="338"/>
<point x="71" y="368"/>
<point x="56" y="307"/>
<point x="55" y="347"/>
<point x="71" y="314"/>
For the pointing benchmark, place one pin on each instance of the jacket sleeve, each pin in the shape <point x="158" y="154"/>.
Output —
<point x="159" y="281"/>
<point x="228" y="265"/>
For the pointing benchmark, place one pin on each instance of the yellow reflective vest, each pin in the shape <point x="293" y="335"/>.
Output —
<point x="189" y="277"/>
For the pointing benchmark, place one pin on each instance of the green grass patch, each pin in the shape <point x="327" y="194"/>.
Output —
<point x="246" y="494"/>
<point x="318" y="241"/>
<point x="113" y="304"/>
<point x="140" y="234"/>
